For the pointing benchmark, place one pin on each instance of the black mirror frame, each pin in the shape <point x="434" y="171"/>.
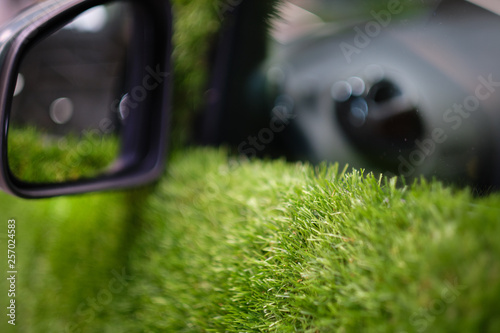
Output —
<point x="143" y="154"/>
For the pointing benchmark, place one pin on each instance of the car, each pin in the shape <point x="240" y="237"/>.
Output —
<point x="405" y="88"/>
<point x="399" y="88"/>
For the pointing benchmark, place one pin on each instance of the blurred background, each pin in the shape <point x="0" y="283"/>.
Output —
<point x="368" y="84"/>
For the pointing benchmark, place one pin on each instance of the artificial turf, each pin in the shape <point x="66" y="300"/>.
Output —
<point x="222" y="244"/>
<point x="38" y="157"/>
<point x="227" y="245"/>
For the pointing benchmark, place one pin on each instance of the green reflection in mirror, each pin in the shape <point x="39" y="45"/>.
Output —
<point x="63" y="124"/>
<point x="48" y="159"/>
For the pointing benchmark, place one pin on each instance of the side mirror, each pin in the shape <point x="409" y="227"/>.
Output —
<point x="84" y="96"/>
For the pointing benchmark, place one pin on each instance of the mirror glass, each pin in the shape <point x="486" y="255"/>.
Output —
<point x="64" y="125"/>
<point x="394" y="86"/>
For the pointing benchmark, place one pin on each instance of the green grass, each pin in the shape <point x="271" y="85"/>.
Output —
<point x="228" y="245"/>
<point x="38" y="157"/>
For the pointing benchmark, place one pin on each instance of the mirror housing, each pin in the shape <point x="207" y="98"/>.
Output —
<point x="144" y="137"/>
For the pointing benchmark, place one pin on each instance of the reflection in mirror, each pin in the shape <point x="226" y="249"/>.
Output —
<point x="62" y="124"/>
<point x="399" y="87"/>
